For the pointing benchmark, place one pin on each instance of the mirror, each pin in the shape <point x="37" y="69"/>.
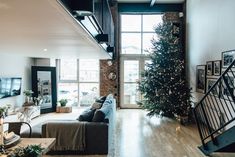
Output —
<point x="44" y="87"/>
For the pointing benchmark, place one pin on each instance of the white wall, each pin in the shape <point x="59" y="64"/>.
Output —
<point x="16" y="66"/>
<point x="210" y="30"/>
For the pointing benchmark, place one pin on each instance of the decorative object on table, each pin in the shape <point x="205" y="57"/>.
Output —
<point x="164" y="87"/>
<point x="28" y="98"/>
<point x="227" y="58"/>
<point x="63" y="102"/>
<point x="62" y="108"/>
<point x="3" y="110"/>
<point x="38" y="101"/>
<point x="2" y="115"/>
<point x="209" y="66"/>
<point x="10" y="139"/>
<point x="201" y="78"/>
<point x="29" y="151"/>
<point x="217" y="67"/>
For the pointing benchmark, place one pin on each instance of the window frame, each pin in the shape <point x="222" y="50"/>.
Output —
<point x="142" y="32"/>
<point x="77" y="81"/>
<point x="142" y="57"/>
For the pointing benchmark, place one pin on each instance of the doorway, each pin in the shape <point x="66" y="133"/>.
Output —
<point x="131" y="69"/>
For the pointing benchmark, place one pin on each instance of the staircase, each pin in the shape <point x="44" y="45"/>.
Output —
<point x="215" y="115"/>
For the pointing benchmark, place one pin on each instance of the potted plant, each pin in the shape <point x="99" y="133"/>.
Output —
<point x="29" y="151"/>
<point x="28" y="94"/>
<point x="3" y="111"/>
<point x="63" y="102"/>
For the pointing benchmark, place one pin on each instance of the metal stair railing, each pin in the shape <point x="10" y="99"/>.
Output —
<point x="215" y="112"/>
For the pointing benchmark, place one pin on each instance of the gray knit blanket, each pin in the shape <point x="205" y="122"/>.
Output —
<point x="70" y="135"/>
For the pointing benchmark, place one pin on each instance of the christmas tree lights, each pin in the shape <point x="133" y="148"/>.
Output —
<point x="163" y="87"/>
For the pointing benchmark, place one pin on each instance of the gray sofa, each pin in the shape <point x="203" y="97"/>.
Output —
<point x="99" y="136"/>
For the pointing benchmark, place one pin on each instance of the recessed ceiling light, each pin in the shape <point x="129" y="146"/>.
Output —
<point x="45" y="50"/>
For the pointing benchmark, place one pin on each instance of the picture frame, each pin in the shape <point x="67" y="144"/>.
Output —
<point x="227" y="58"/>
<point x="210" y="69"/>
<point x="217" y="67"/>
<point x="201" y="78"/>
<point x="210" y="82"/>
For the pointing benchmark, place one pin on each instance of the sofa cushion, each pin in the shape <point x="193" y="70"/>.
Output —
<point x="101" y="113"/>
<point x="101" y="99"/>
<point x="96" y="105"/>
<point x="110" y="96"/>
<point x="87" y="115"/>
<point x="98" y="116"/>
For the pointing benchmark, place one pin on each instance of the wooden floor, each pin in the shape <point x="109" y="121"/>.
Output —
<point x="140" y="136"/>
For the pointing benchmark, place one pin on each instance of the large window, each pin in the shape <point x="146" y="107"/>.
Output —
<point x="137" y="31"/>
<point x="78" y="81"/>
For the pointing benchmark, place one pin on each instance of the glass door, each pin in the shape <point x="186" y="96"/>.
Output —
<point x="130" y="76"/>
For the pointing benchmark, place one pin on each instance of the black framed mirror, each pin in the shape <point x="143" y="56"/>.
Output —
<point x="44" y="87"/>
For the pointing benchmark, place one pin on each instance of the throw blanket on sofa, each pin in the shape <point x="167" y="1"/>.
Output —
<point x="69" y="135"/>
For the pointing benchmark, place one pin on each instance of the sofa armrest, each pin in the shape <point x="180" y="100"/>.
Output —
<point x="97" y="138"/>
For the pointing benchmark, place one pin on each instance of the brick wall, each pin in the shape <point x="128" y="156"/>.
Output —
<point x="107" y="84"/>
<point x="171" y="16"/>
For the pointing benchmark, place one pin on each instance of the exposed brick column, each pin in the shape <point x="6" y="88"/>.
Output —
<point x="108" y="85"/>
<point x="171" y="16"/>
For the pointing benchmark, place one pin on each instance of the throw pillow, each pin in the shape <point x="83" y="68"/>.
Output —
<point x="87" y="115"/>
<point x="96" y="105"/>
<point x="101" y="99"/>
<point x="110" y="96"/>
<point x="101" y="113"/>
<point x="108" y="102"/>
<point x="98" y="116"/>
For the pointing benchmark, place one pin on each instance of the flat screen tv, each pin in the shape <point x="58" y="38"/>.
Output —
<point x="10" y="86"/>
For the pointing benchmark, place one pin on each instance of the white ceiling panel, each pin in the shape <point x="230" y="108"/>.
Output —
<point x="42" y="28"/>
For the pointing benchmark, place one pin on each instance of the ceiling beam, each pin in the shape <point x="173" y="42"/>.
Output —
<point x="152" y="3"/>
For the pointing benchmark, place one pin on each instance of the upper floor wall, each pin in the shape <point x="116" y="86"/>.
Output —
<point x="210" y="30"/>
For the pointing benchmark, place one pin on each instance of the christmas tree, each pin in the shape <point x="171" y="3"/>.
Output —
<point x="163" y="87"/>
